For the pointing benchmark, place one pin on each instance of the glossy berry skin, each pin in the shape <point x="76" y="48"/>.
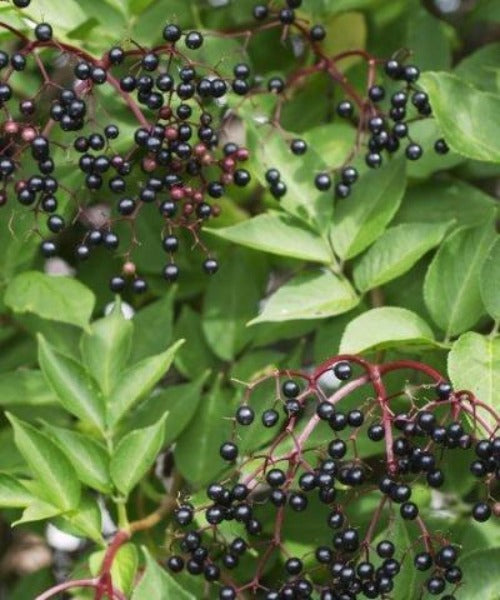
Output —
<point x="342" y="370"/>
<point x="194" y="40"/>
<point x="245" y="415"/>
<point x="317" y="33"/>
<point x="21" y="3"/>
<point x="270" y="417"/>
<point x="229" y="451"/>
<point x="43" y="32"/>
<point x="290" y="389"/>
<point x="298" y="147"/>
<point x="413" y="152"/>
<point x="481" y="512"/>
<point x="210" y="266"/>
<point x="373" y="160"/>
<point x="441" y="147"/>
<point x="323" y="182"/>
<point x="260" y="12"/>
<point x="345" y="109"/>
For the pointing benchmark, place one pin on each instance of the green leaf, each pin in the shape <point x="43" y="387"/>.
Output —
<point x="395" y="252"/>
<point x="181" y="402"/>
<point x="472" y="128"/>
<point x="385" y="327"/>
<point x="302" y="199"/>
<point x="231" y="299"/>
<point x="451" y="288"/>
<point x="361" y="219"/>
<point x="55" y="298"/>
<point x="13" y="494"/>
<point x="205" y="433"/>
<point x="25" y="386"/>
<point x="137" y="381"/>
<point x="474" y="365"/>
<point x="55" y="473"/>
<point x="134" y="455"/>
<point x="489" y="279"/>
<point x="76" y="390"/>
<point x="62" y="14"/>
<point x="309" y="295"/>
<point x="85" y="521"/>
<point x="89" y="458"/>
<point x="38" y="511"/>
<point x="442" y="201"/>
<point x="480" y="570"/>
<point x="428" y="39"/>
<point x="195" y="355"/>
<point x="158" y="582"/>
<point x="277" y="234"/>
<point x="482" y="68"/>
<point x="124" y="569"/>
<point x="148" y="322"/>
<point x="105" y="348"/>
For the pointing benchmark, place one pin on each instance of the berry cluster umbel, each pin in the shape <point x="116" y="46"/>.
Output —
<point x="174" y="161"/>
<point x="293" y="473"/>
<point x="174" y="164"/>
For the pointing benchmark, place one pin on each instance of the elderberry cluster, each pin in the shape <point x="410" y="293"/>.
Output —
<point x="383" y="118"/>
<point x="311" y="463"/>
<point x="173" y="164"/>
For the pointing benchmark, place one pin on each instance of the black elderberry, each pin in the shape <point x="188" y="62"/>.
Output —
<point x="325" y="410"/>
<point x="355" y="418"/>
<point x="423" y="561"/>
<point x="345" y="109"/>
<point x="55" y="223"/>
<point x="227" y="593"/>
<point x="323" y="182"/>
<point x="436" y="585"/>
<point x="481" y="512"/>
<point x="18" y="61"/>
<point x="245" y="415"/>
<point x="229" y="451"/>
<point x="293" y="566"/>
<point x="290" y="389"/>
<point x="171" y="272"/>
<point x="297" y="501"/>
<point x="210" y="266"/>
<point x="278" y="497"/>
<point x="373" y="160"/>
<point x="338" y="421"/>
<point x="413" y="151"/>
<point x="48" y="248"/>
<point x="43" y="32"/>
<point x="408" y="510"/>
<point x="342" y="370"/>
<point x="276" y="85"/>
<point x="337" y="448"/>
<point x="376" y="93"/>
<point x="175" y="564"/>
<point x="385" y="549"/>
<point x="194" y="40"/>
<point x="270" y="417"/>
<point x="317" y="33"/>
<point x="98" y="75"/>
<point x="298" y="147"/>
<point x="286" y="16"/>
<point x="441" y="147"/>
<point x="376" y="432"/>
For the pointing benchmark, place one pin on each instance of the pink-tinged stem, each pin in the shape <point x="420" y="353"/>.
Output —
<point x="68" y="585"/>
<point x="341" y="393"/>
